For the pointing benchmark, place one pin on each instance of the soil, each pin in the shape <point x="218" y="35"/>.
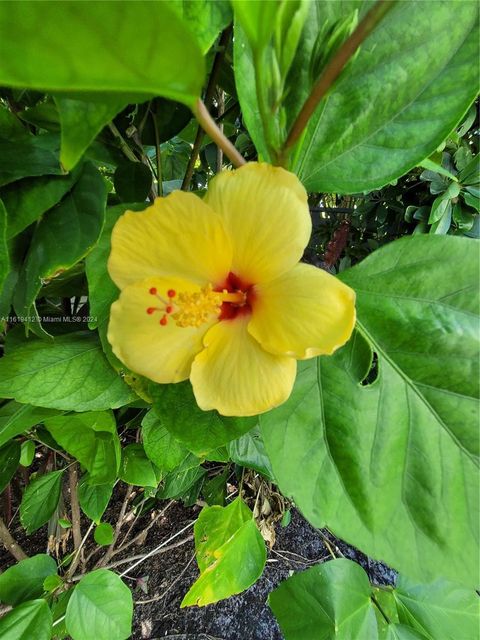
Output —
<point x="160" y="582"/>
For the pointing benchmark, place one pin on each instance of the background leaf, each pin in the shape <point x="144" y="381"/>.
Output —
<point x="64" y="235"/>
<point x="329" y="600"/>
<point x="94" y="499"/>
<point x="24" y="581"/>
<point x="9" y="460"/>
<point x="200" y="431"/>
<point x="133" y="181"/>
<point x="46" y="374"/>
<point x="40" y="500"/>
<point x="92" y="439"/>
<point x="100" y="607"/>
<point x="31" y="619"/>
<point x="369" y="131"/>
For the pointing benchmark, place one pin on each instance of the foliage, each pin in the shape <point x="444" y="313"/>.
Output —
<point x="99" y="113"/>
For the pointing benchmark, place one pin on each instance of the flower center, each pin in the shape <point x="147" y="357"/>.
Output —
<point x="192" y="309"/>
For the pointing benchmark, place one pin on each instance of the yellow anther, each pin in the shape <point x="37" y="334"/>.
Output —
<point x="194" y="309"/>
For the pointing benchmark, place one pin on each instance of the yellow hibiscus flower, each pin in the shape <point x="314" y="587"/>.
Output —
<point x="212" y="290"/>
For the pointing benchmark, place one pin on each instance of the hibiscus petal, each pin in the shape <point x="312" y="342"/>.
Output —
<point x="235" y="376"/>
<point x="304" y="313"/>
<point x="265" y="212"/>
<point x="161" y="353"/>
<point x="177" y="236"/>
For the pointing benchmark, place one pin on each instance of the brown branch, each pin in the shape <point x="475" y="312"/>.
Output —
<point x="208" y="100"/>
<point x="10" y="544"/>
<point x="334" y="69"/>
<point x="74" y="505"/>
<point x="109" y="553"/>
<point x="212" y="129"/>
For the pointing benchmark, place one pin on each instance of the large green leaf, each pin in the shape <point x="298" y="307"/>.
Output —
<point x="64" y="235"/>
<point x="69" y="373"/>
<point x="24" y="581"/>
<point x="398" y="100"/>
<point x="100" y="607"/>
<point x="200" y="431"/>
<point x="31" y="619"/>
<point x="230" y="553"/>
<point x="96" y="47"/>
<point x="40" y="500"/>
<point x="26" y="200"/>
<point x="249" y="451"/>
<point x="330" y="600"/>
<point x="92" y="439"/>
<point x="392" y="466"/>
<point x="16" y="418"/>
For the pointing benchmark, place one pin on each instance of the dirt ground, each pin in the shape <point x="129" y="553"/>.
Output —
<point x="160" y="582"/>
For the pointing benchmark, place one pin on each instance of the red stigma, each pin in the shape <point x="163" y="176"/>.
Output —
<point x="171" y="293"/>
<point x="150" y="310"/>
<point x="163" y="321"/>
<point x="169" y="308"/>
<point x="152" y="291"/>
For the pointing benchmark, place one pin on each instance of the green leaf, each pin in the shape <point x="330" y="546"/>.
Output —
<point x="471" y="172"/>
<point x="94" y="499"/>
<point x="200" y="431"/>
<point x="40" y="500"/>
<point x="4" y="255"/>
<point x="52" y="582"/>
<point x="100" y="607"/>
<point x="215" y="490"/>
<point x="165" y="451"/>
<point x="25" y="158"/>
<point x="24" y="581"/>
<point x="137" y="468"/>
<point x="257" y="19"/>
<point x="9" y="460"/>
<point x="181" y="480"/>
<point x="31" y="619"/>
<point x="133" y="181"/>
<point x="26" y="200"/>
<point x="16" y="418"/>
<point x="230" y="553"/>
<point x="329" y="600"/>
<point x="27" y="453"/>
<point x="431" y="165"/>
<point x="205" y="19"/>
<point x="103" y="533"/>
<point x="398" y="462"/>
<point x="369" y="131"/>
<point x="92" y="439"/>
<point x="81" y="121"/>
<point x="81" y="48"/>
<point x="63" y="237"/>
<point x="438" y="610"/>
<point x="47" y="374"/>
<point x="249" y="451"/>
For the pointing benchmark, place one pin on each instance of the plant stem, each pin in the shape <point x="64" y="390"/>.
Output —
<point x="122" y="143"/>
<point x="158" y="155"/>
<point x="9" y="543"/>
<point x="334" y="68"/>
<point x="210" y="127"/>
<point x="209" y="94"/>
<point x="109" y="552"/>
<point x="74" y="506"/>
